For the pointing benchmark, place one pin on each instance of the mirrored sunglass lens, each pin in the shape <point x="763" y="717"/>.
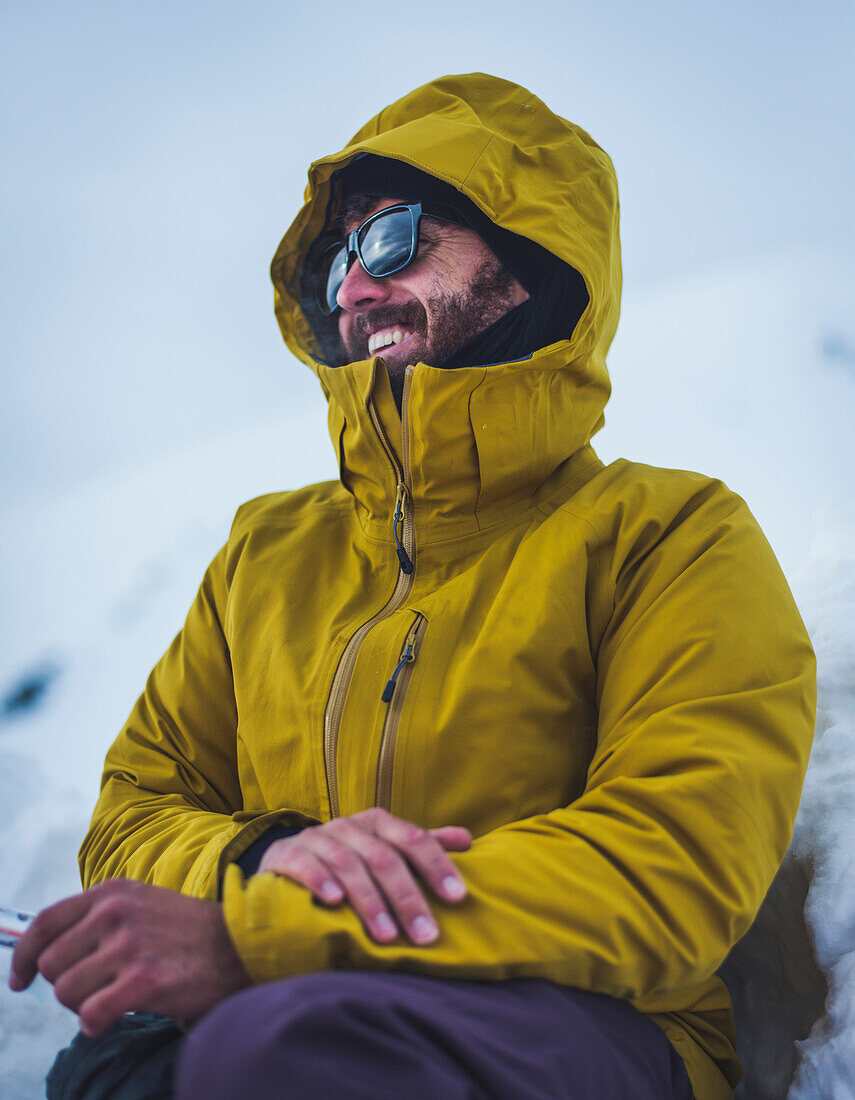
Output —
<point x="386" y="244"/>
<point x="335" y="277"/>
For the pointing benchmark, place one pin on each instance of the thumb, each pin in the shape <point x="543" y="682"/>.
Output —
<point x="454" y="838"/>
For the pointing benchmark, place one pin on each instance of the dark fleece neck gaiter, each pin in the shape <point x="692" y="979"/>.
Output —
<point x="549" y="315"/>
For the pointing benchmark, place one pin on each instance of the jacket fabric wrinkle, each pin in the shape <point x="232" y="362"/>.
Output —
<point x="611" y="687"/>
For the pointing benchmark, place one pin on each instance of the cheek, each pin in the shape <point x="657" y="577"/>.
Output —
<point x="434" y="287"/>
<point x="452" y="277"/>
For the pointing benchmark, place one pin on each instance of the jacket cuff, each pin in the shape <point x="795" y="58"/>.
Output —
<point x="279" y="931"/>
<point x="250" y="860"/>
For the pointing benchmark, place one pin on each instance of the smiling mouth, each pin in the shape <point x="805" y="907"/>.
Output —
<point x="386" y="337"/>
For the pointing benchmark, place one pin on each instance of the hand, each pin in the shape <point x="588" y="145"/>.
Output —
<point x="123" y="947"/>
<point x="370" y="860"/>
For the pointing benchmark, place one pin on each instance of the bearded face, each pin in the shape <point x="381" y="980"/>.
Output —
<point x="454" y="289"/>
<point x="431" y="330"/>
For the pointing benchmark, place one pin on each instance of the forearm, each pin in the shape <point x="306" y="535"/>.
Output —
<point x="544" y="901"/>
<point x="155" y="838"/>
<point x="170" y="785"/>
<point x="638" y="888"/>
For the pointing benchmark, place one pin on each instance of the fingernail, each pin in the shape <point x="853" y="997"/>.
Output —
<point x="452" y="887"/>
<point x="331" y="891"/>
<point x="423" y="930"/>
<point x="384" y="926"/>
<point x="15" y="983"/>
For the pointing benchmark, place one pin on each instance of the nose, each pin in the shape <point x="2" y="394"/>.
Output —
<point x="360" y="289"/>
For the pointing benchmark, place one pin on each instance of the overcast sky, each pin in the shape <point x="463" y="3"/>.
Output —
<point x="154" y="153"/>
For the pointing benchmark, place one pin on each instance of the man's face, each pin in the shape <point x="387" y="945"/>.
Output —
<point x="453" y="290"/>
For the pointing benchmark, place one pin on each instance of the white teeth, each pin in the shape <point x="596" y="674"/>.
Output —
<point x="379" y="340"/>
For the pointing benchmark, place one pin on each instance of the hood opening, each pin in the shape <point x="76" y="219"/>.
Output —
<point x="557" y="292"/>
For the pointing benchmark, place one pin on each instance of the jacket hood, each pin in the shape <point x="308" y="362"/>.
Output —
<point x="534" y="174"/>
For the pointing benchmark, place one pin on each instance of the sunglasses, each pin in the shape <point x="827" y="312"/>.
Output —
<point x="384" y="244"/>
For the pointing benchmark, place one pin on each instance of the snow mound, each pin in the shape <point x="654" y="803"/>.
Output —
<point x="792" y="977"/>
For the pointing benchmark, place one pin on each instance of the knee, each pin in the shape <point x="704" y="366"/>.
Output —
<point x="224" y="1049"/>
<point x="261" y="1035"/>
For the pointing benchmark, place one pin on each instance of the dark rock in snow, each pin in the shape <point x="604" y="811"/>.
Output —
<point x="29" y="691"/>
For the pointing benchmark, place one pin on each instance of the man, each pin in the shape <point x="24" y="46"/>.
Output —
<point x="513" y="740"/>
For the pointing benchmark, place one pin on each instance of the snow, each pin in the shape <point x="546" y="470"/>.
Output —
<point x="754" y="383"/>
<point x="793" y="976"/>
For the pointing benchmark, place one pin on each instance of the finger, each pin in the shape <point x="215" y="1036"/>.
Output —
<point x="103" y="1008"/>
<point x="78" y="983"/>
<point x="426" y="854"/>
<point x="298" y="863"/>
<point x="349" y="869"/>
<point x="396" y="880"/>
<point x="45" y="928"/>
<point x="454" y="838"/>
<point x="69" y="948"/>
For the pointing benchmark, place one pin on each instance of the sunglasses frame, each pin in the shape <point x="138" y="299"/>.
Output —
<point x="351" y="245"/>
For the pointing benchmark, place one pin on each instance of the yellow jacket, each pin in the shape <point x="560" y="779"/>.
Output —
<point x="612" y="687"/>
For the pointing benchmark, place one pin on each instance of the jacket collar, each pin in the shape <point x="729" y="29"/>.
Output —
<point x="475" y="444"/>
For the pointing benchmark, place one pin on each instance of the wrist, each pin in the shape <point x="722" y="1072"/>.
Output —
<point x="231" y="971"/>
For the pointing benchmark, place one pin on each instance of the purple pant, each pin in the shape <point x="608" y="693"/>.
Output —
<point x="360" y="1035"/>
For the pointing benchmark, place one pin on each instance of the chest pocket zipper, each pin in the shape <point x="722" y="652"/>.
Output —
<point x="394" y="694"/>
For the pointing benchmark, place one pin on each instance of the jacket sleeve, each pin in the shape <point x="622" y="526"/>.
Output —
<point x="170" y="781"/>
<point x="642" y="885"/>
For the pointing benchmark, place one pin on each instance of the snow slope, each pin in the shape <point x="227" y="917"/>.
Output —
<point x="749" y="375"/>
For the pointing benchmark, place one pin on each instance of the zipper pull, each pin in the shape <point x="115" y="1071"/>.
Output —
<point x="389" y="689"/>
<point x="403" y="557"/>
<point x="407" y="655"/>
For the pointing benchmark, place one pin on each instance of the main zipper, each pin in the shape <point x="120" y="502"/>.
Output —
<point x="404" y="543"/>
<point x="394" y="694"/>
